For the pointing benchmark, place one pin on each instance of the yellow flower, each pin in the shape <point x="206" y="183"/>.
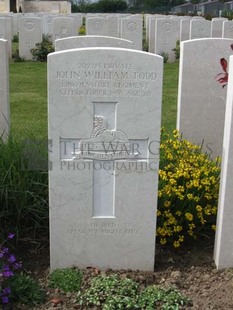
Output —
<point x="163" y="241"/>
<point x="167" y="203"/>
<point x="176" y="244"/>
<point x="189" y="216"/>
<point x="198" y="208"/>
<point x="213" y="227"/>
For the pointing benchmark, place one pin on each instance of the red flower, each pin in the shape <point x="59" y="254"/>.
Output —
<point x="222" y="78"/>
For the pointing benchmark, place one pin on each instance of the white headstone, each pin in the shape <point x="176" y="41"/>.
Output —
<point x="6" y="32"/>
<point x="96" y="26"/>
<point x="223" y="254"/>
<point x="63" y="27"/>
<point x="104" y="124"/>
<point x="30" y="33"/>
<point x="216" y="27"/>
<point x="184" y="29"/>
<point x="227" y="31"/>
<point x="201" y="98"/>
<point x="200" y="28"/>
<point x="131" y="29"/>
<point x="91" y="41"/>
<point x="4" y="91"/>
<point x="166" y="37"/>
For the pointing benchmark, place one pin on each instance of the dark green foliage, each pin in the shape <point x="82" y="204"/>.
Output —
<point x="107" y="6"/>
<point x="15" y="38"/>
<point x="42" y="49"/>
<point x="26" y="290"/>
<point x="104" y="6"/>
<point x="228" y="14"/>
<point x="24" y="187"/>
<point x="68" y="280"/>
<point x="176" y="50"/>
<point x="16" y="57"/>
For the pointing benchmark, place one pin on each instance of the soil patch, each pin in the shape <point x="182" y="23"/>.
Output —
<point x="191" y="271"/>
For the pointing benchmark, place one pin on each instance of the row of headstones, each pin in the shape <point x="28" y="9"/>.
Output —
<point x="164" y="33"/>
<point x="31" y="29"/>
<point x="90" y="204"/>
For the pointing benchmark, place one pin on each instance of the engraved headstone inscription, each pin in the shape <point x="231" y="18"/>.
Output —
<point x="104" y="124"/>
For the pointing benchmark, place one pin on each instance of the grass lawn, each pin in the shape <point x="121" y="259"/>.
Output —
<point x="28" y="98"/>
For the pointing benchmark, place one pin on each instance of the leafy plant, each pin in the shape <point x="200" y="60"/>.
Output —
<point x="23" y="188"/>
<point x="82" y="31"/>
<point x="16" y="57"/>
<point x="68" y="280"/>
<point x="155" y="297"/>
<point x="8" y="266"/>
<point x="188" y="191"/>
<point x="165" y="57"/>
<point x="26" y="290"/>
<point x="110" y="292"/>
<point x="42" y="49"/>
<point x="176" y="50"/>
<point x="15" y="38"/>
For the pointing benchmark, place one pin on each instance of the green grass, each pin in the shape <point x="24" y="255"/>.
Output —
<point x="28" y="98"/>
<point x="170" y="91"/>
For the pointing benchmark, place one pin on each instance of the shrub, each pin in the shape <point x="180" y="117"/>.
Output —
<point x="16" y="57"/>
<point x="68" y="280"/>
<point x="42" y="49"/>
<point x="82" y="31"/>
<point x="26" y="290"/>
<point x="176" y="50"/>
<point x="188" y="191"/>
<point x="165" y="57"/>
<point x="15" y="38"/>
<point x="153" y="296"/>
<point x="110" y="292"/>
<point x="24" y="187"/>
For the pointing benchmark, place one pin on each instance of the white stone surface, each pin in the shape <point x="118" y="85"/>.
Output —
<point x="91" y="41"/>
<point x="216" y="27"/>
<point x="4" y="91"/>
<point x="200" y="28"/>
<point x="131" y="29"/>
<point x="227" y="31"/>
<point x="201" y="98"/>
<point x="184" y="29"/>
<point x="166" y="37"/>
<point x="102" y="199"/>
<point x="96" y="26"/>
<point x="223" y="253"/>
<point x="30" y="33"/>
<point x="63" y="27"/>
<point x="6" y="32"/>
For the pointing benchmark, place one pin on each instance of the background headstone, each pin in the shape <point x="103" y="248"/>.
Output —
<point x="4" y="91"/>
<point x="63" y="27"/>
<point x="166" y="37"/>
<point x="103" y="196"/>
<point x="131" y="29"/>
<point x="30" y="33"/>
<point x="223" y="254"/>
<point x="91" y="41"/>
<point x="227" y="31"/>
<point x="200" y="28"/>
<point x="201" y="98"/>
